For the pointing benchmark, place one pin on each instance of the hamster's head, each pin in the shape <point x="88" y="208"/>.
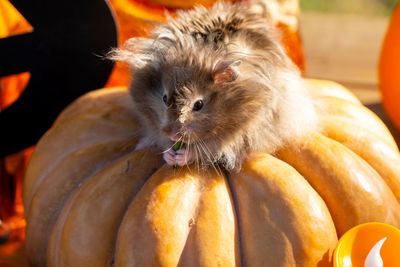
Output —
<point x="206" y="104"/>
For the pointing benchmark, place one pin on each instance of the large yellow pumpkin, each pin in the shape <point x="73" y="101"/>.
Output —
<point x="92" y="201"/>
<point x="389" y="69"/>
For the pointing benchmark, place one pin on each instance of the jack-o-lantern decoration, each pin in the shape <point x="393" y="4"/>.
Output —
<point x="11" y="23"/>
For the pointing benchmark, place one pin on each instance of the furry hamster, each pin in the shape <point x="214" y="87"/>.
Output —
<point x="219" y="81"/>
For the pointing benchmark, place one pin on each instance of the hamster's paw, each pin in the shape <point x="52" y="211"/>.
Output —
<point x="179" y="157"/>
<point x="169" y="157"/>
<point x="182" y="157"/>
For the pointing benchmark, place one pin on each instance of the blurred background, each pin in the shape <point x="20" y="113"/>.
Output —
<point x="357" y="7"/>
<point x="342" y="40"/>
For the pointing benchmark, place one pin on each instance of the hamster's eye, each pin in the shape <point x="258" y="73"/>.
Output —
<point x="198" y="105"/>
<point x="165" y="98"/>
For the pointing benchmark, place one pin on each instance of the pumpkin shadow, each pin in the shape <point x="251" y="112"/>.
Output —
<point x="377" y="108"/>
<point x="327" y="260"/>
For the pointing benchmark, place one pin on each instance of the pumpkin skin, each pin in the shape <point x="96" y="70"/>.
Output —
<point x="389" y="69"/>
<point x="92" y="201"/>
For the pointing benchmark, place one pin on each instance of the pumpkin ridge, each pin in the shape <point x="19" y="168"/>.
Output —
<point x="39" y="180"/>
<point x="366" y="129"/>
<point x="356" y="113"/>
<point x="147" y="208"/>
<point x="329" y="176"/>
<point x="273" y="193"/>
<point x="242" y="245"/>
<point x="100" y="205"/>
<point x="236" y="217"/>
<point x="92" y="100"/>
<point x="31" y="183"/>
<point x="53" y="248"/>
<point x="58" y="140"/>
<point x="242" y="250"/>
<point x="370" y="147"/>
<point x="41" y="225"/>
<point x="112" y="259"/>
<point x="326" y="88"/>
<point x="201" y="244"/>
<point x="113" y="253"/>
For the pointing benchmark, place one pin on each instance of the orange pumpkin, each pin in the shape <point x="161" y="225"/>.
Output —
<point x="91" y="200"/>
<point x="389" y="69"/>
<point x="185" y="3"/>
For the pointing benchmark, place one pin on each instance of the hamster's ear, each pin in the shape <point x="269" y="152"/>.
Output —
<point x="226" y="71"/>
<point x="137" y="52"/>
<point x="268" y="10"/>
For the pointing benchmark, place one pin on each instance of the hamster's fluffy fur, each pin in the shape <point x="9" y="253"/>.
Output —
<point x="264" y="108"/>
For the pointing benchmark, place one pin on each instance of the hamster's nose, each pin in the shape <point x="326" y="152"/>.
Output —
<point x="170" y="132"/>
<point x="174" y="137"/>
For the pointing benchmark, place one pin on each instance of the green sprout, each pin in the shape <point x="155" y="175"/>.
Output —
<point x="178" y="145"/>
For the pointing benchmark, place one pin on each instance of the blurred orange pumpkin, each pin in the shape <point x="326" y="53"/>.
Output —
<point x="389" y="69"/>
<point x="136" y="17"/>
<point x="186" y="3"/>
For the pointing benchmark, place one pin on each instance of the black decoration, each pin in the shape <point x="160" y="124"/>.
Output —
<point x="64" y="55"/>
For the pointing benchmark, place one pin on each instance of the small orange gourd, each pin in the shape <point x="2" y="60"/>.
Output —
<point x="91" y="200"/>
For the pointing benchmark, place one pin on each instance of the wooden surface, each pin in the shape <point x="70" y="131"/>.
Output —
<point x="342" y="48"/>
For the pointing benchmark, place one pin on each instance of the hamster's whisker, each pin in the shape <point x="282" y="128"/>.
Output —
<point x="168" y="149"/>
<point x="171" y="147"/>
<point x="208" y="150"/>
<point x="197" y="158"/>
<point x="205" y="148"/>
<point x="202" y="161"/>
<point x="187" y="137"/>
<point x="214" y="159"/>
<point x="200" y="154"/>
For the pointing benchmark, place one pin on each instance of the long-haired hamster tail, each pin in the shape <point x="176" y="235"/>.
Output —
<point x="219" y="81"/>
